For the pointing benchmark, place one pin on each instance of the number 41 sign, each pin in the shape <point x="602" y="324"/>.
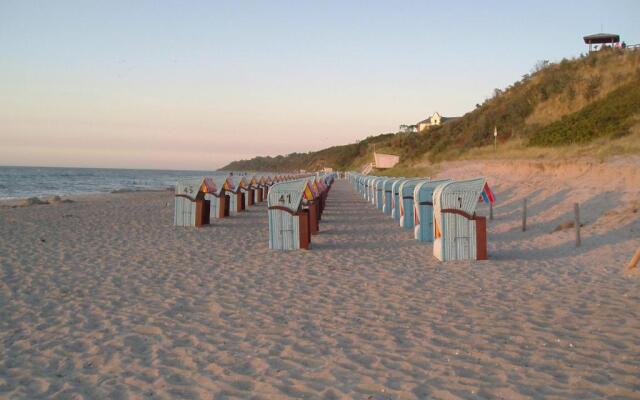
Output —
<point x="285" y="198"/>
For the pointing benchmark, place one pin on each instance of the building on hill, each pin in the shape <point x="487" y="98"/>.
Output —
<point x="380" y="161"/>
<point x="408" y="128"/>
<point x="434" y="120"/>
<point x="603" y="39"/>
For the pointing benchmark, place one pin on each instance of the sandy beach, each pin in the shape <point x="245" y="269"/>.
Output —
<point x="104" y="298"/>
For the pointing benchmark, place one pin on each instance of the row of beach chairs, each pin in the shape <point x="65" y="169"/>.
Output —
<point x="442" y="212"/>
<point x="295" y="203"/>
<point x="198" y="201"/>
<point x="295" y="209"/>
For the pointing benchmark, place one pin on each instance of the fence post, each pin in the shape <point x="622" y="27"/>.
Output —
<point x="576" y="209"/>
<point x="524" y="215"/>
<point x="634" y="260"/>
<point x="490" y="211"/>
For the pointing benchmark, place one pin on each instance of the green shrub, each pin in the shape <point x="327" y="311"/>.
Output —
<point x="611" y="116"/>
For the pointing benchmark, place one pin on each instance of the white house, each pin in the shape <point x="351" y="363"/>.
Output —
<point x="407" y="128"/>
<point x="434" y="120"/>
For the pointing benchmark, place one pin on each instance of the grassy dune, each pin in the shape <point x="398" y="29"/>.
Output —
<point x="587" y="106"/>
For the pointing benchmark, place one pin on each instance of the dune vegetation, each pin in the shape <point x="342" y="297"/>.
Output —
<point x="586" y="106"/>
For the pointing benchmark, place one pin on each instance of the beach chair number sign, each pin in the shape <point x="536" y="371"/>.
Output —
<point x="288" y="198"/>
<point x="285" y="200"/>
<point x="282" y="199"/>
<point x="188" y="190"/>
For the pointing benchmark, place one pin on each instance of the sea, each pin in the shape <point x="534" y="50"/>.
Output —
<point x="25" y="182"/>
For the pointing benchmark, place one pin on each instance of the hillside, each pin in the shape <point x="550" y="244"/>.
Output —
<point x="559" y="108"/>
<point x="338" y="157"/>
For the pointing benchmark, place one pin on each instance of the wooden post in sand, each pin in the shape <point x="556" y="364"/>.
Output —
<point x="490" y="211"/>
<point x="524" y="215"/>
<point x="576" y="210"/>
<point x="634" y="260"/>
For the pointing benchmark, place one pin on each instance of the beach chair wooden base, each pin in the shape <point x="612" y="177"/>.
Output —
<point x="251" y="197"/>
<point x="305" y="232"/>
<point x="239" y="202"/>
<point x="313" y="218"/>
<point x="225" y="202"/>
<point x="202" y="212"/>
<point x="481" y="238"/>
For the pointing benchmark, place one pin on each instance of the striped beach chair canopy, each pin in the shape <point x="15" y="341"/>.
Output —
<point x="387" y="195"/>
<point x="224" y="184"/>
<point x="379" y="191"/>
<point x="241" y="184"/>
<point x="423" y="209"/>
<point x="315" y="187"/>
<point x="310" y="192"/>
<point x="454" y="206"/>
<point x="288" y="222"/>
<point x="395" y="198"/>
<point x="187" y="194"/>
<point x="405" y="199"/>
<point x="252" y="181"/>
<point x="287" y="195"/>
<point x="194" y="188"/>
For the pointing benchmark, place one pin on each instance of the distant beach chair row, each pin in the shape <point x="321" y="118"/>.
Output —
<point x="295" y="203"/>
<point x="197" y="201"/>
<point x="295" y="209"/>
<point x="439" y="211"/>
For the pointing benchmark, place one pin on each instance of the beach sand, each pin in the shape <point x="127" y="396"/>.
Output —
<point x="104" y="298"/>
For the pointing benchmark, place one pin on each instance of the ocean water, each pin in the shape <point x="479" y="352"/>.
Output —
<point x="21" y="182"/>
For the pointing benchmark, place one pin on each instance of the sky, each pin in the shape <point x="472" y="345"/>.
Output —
<point x="197" y="84"/>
